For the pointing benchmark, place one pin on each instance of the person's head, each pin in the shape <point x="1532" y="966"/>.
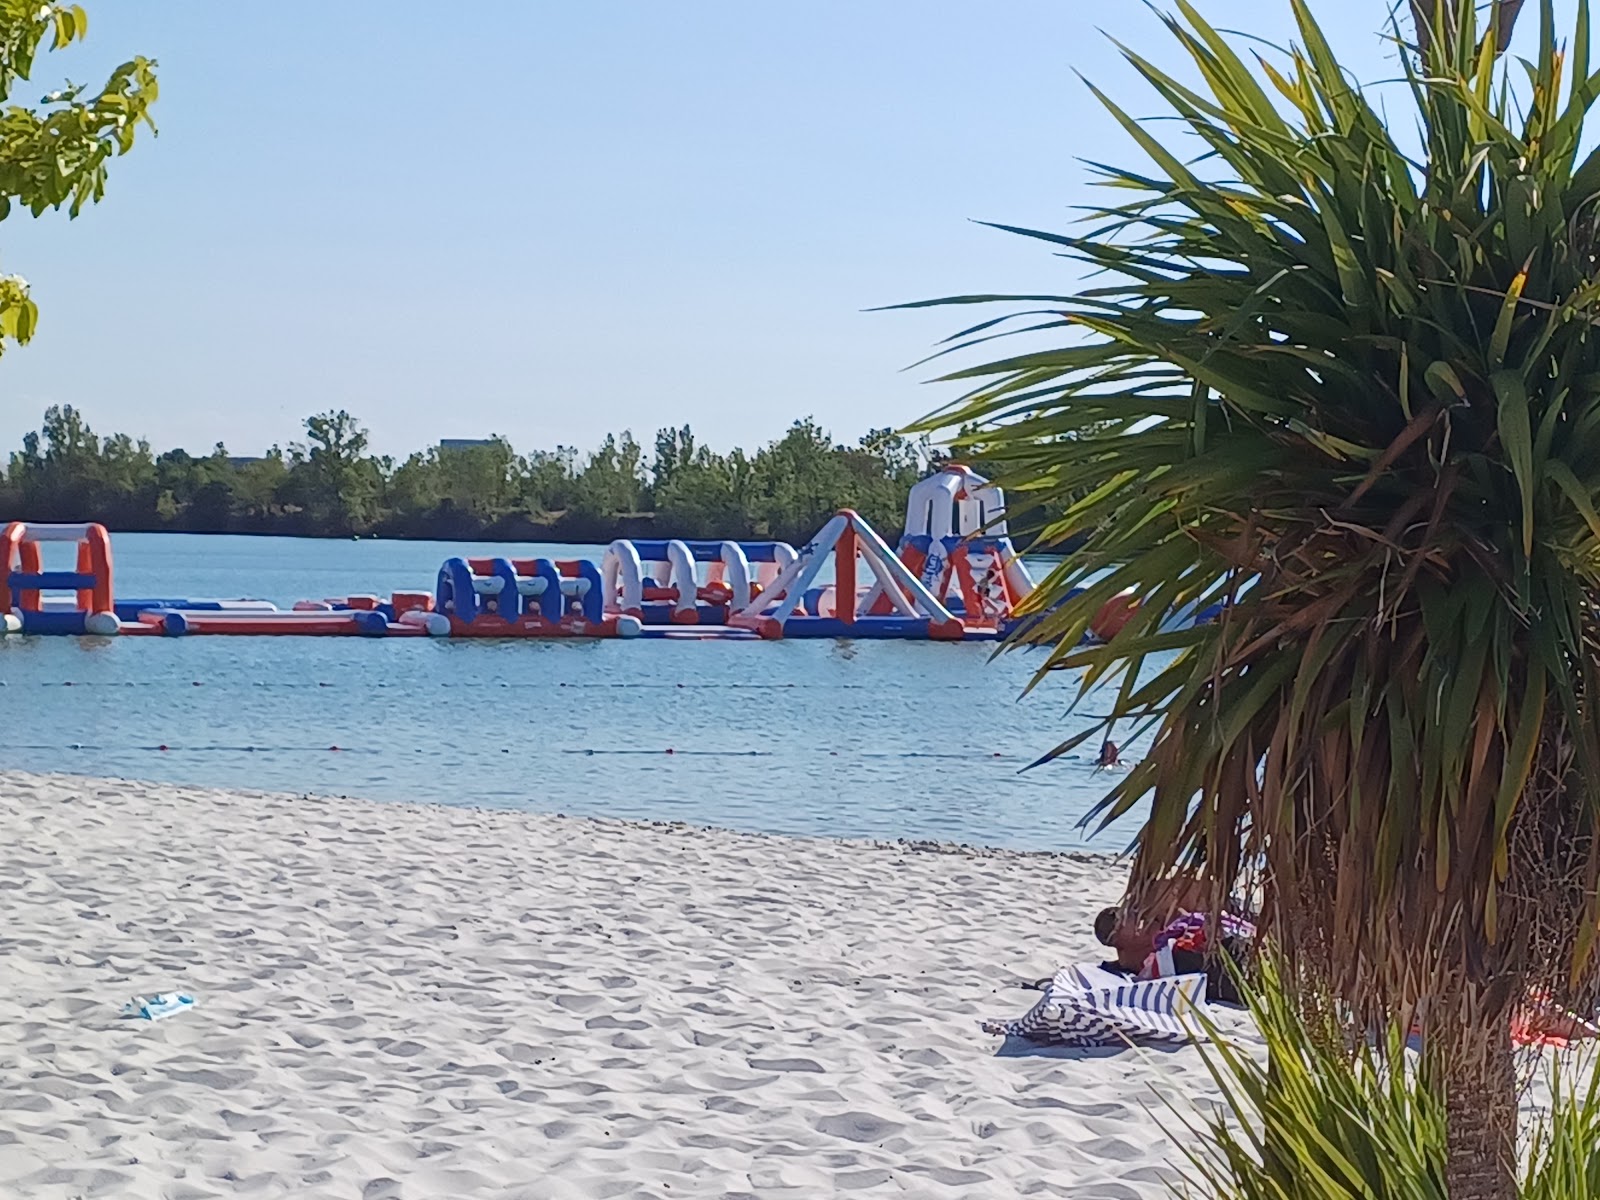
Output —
<point x="1105" y="925"/>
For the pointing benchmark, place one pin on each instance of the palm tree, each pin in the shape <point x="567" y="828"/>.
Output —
<point x="1351" y="390"/>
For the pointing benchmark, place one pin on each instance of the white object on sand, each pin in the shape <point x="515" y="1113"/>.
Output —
<point x="162" y="1004"/>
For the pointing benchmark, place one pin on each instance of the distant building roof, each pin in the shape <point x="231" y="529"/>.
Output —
<point x="464" y="443"/>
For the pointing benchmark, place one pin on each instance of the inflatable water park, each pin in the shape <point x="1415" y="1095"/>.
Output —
<point x="955" y="576"/>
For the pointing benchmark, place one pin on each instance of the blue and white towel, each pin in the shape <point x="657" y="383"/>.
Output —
<point x="159" y="1006"/>
<point x="1086" y="1006"/>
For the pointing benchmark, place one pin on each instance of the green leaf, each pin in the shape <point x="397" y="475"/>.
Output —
<point x="1443" y="382"/>
<point x="1501" y="338"/>
<point x="1516" y="434"/>
<point x="1561" y="475"/>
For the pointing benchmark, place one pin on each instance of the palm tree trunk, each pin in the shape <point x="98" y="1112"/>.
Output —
<point x="1480" y="1090"/>
<point x="1422" y="12"/>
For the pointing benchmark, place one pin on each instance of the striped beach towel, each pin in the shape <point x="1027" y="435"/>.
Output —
<point x="1085" y="1006"/>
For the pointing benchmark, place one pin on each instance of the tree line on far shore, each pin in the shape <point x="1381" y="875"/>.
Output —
<point x="329" y="485"/>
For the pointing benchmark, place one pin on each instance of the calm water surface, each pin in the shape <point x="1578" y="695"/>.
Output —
<point x="847" y="739"/>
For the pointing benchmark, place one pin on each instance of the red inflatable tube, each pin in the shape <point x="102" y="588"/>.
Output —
<point x="292" y="624"/>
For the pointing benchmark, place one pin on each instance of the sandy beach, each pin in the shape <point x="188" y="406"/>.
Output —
<point x="418" y="1001"/>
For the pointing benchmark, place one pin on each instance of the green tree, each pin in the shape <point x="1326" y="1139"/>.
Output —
<point x="885" y="465"/>
<point x="477" y="483"/>
<point x="675" y="449"/>
<point x="798" y="482"/>
<point x="332" y="478"/>
<point x="697" y="492"/>
<point x="331" y="484"/>
<point x="195" y="492"/>
<point x="256" y="485"/>
<point x="1350" y="390"/>
<point x="57" y="154"/>
<point x="547" y="479"/>
<point x="65" y="473"/>
<point x="612" y="481"/>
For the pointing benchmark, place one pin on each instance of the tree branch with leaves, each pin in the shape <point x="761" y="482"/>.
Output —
<point x="57" y="153"/>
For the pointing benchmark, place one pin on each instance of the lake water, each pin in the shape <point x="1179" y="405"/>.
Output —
<point x="848" y="739"/>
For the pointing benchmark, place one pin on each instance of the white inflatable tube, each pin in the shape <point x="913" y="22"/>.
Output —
<point x="957" y="502"/>
<point x="969" y="516"/>
<point x="54" y="533"/>
<point x="990" y="502"/>
<point x="102" y="624"/>
<point x="881" y="588"/>
<point x="789" y="586"/>
<point x="621" y="569"/>
<point x="930" y="508"/>
<point x="1017" y="577"/>
<point x="436" y="624"/>
<point x="736" y="574"/>
<point x="681" y="575"/>
<point x="782" y="555"/>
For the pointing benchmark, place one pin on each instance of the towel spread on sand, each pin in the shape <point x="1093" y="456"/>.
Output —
<point x="1086" y="1006"/>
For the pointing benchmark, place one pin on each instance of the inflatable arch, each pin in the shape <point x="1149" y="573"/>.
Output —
<point x="23" y="578"/>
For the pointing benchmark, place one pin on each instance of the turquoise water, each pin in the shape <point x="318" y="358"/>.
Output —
<point x="848" y="739"/>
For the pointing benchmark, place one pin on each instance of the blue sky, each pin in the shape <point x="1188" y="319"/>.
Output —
<point x="552" y="220"/>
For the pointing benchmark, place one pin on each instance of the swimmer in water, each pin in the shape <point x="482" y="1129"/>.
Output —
<point x="1108" y="755"/>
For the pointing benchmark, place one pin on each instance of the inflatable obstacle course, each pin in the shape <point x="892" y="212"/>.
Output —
<point x="955" y="576"/>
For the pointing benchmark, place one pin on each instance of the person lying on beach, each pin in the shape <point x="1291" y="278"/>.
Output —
<point x="1118" y="925"/>
<point x="1542" y="1022"/>
<point x="1182" y="945"/>
<point x="1132" y="939"/>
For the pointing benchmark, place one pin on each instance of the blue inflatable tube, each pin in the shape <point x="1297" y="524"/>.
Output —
<point x="371" y="624"/>
<point x="54" y="622"/>
<point x="508" y="604"/>
<point x="592" y="598"/>
<point x="702" y="550"/>
<point x="551" y="605"/>
<point x="454" y="595"/>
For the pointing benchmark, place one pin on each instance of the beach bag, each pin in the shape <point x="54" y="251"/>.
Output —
<point x="1187" y="947"/>
<point x="1088" y="1006"/>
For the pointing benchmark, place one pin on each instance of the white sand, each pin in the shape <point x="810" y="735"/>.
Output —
<point x="418" y="1001"/>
